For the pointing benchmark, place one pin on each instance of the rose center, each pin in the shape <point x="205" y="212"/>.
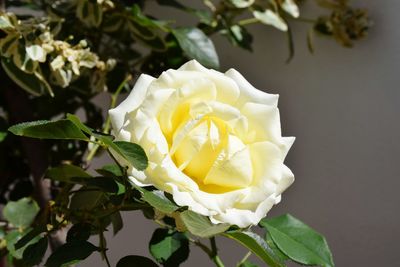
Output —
<point x="208" y="152"/>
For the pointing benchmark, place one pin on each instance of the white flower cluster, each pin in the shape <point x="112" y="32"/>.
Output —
<point x="28" y="46"/>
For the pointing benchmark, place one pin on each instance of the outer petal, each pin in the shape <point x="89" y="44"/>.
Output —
<point x="228" y="90"/>
<point x="132" y="102"/>
<point x="248" y="93"/>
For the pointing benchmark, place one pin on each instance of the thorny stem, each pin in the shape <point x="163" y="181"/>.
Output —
<point x="107" y="125"/>
<point x="216" y="259"/>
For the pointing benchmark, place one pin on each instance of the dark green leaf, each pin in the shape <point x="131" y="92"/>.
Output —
<point x="71" y="252"/>
<point x="110" y="170"/>
<point x="28" y="82"/>
<point x="257" y="245"/>
<point x="197" y="45"/>
<point x="141" y="31"/>
<point x="159" y="201"/>
<point x="12" y="238"/>
<point x="75" y="120"/>
<point x="169" y="247"/>
<point x="133" y="153"/>
<point x="30" y="235"/>
<point x="117" y="222"/>
<point x="200" y="225"/>
<point x="79" y="231"/>
<point x="61" y="129"/>
<point x="298" y="241"/>
<point x="86" y="199"/>
<point x="290" y="44"/>
<point x="143" y="20"/>
<point x="64" y="173"/>
<point x="156" y="43"/>
<point x="136" y="261"/>
<point x="106" y="184"/>
<point x="34" y="253"/>
<point x="21" y="213"/>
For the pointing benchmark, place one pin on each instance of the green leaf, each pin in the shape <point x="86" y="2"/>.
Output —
<point x="79" y="231"/>
<point x="12" y="238"/>
<point x="169" y="247"/>
<point x="64" y="173"/>
<point x="256" y="245"/>
<point x="28" y="82"/>
<point x="131" y="152"/>
<point x="61" y="129"/>
<point x="275" y="249"/>
<point x="159" y="201"/>
<point x="71" y="252"/>
<point x="105" y="184"/>
<point x="30" y="235"/>
<point x="34" y="253"/>
<point x="136" y="261"/>
<point x="75" y="120"/>
<point x="200" y="225"/>
<point x="117" y="222"/>
<point x="197" y="45"/>
<point x="110" y="170"/>
<point x="145" y="21"/>
<point x="239" y="36"/>
<point x="86" y="199"/>
<point x="21" y="213"/>
<point x="247" y="264"/>
<point x="298" y="241"/>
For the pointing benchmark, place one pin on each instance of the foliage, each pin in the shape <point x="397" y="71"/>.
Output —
<point x="56" y="56"/>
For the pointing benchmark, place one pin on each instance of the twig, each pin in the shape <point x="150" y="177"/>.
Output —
<point x="244" y="259"/>
<point x="103" y="249"/>
<point x="107" y="124"/>
<point x="216" y="259"/>
<point x="244" y="22"/>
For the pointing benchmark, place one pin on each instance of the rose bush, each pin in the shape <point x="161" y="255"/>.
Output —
<point x="213" y="141"/>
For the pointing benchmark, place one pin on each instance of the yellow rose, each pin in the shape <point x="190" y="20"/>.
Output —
<point x="213" y="141"/>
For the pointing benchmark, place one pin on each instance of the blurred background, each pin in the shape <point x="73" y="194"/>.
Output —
<point x="343" y="106"/>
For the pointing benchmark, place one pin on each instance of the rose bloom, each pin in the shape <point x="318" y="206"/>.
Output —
<point x="213" y="141"/>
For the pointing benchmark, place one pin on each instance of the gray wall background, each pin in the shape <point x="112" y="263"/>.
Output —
<point x="343" y="106"/>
